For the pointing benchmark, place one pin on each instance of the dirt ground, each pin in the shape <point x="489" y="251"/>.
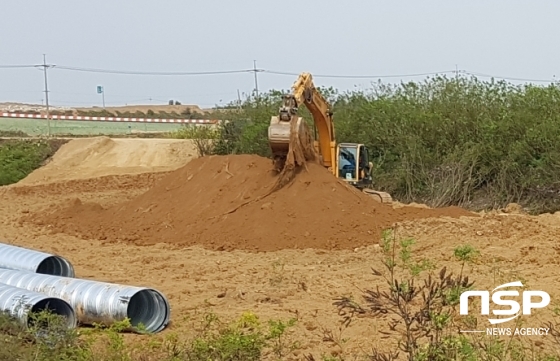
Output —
<point x="240" y="263"/>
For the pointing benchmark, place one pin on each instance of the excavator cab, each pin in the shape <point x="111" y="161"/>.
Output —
<point x="354" y="166"/>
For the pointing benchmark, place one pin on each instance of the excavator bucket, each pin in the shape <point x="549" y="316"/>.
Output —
<point x="279" y="140"/>
<point x="279" y="131"/>
<point x="279" y="136"/>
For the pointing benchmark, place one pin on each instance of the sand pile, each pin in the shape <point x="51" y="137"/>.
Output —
<point x="219" y="202"/>
<point x="102" y="156"/>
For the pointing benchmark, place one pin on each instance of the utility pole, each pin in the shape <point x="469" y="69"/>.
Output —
<point x="255" y="70"/>
<point x="238" y="99"/>
<point x="45" y="66"/>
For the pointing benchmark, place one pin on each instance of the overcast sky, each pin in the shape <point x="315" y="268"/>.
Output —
<point x="504" y="38"/>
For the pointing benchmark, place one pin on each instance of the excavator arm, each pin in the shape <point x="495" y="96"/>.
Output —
<point x="304" y="92"/>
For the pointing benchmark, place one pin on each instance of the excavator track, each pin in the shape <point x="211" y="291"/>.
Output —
<point x="381" y="197"/>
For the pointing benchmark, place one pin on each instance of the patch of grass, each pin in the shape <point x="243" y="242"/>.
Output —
<point x="246" y="338"/>
<point x="18" y="158"/>
<point x="13" y="134"/>
<point x="46" y="338"/>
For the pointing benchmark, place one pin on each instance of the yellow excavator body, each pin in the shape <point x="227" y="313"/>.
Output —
<point x="349" y="162"/>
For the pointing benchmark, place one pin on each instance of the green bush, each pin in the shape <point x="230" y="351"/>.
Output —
<point x="47" y="340"/>
<point x="13" y="134"/>
<point x="203" y="137"/>
<point x="18" y="158"/>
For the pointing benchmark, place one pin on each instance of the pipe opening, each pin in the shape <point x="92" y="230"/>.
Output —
<point x="55" y="266"/>
<point x="56" y="306"/>
<point x="150" y="309"/>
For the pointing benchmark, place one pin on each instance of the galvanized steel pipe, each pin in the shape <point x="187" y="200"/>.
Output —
<point x="19" y="258"/>
<point x="20" y="302"/>
<point x="98" y="302"/>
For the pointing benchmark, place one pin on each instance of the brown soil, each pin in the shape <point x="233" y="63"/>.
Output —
<point x="224" y="202"/>
<point x="281" y="284"/>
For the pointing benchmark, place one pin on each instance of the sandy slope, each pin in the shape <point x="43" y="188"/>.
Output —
<point x="101" y="156"/>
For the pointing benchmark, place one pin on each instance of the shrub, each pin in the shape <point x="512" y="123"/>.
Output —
<point x="202" y="136"/>
<point x="243" y="339"/>
<point x="18" y="158"/>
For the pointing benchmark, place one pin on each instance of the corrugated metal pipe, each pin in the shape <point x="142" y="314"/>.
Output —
<point x="98" y="302"/>
<point x="19" y="303"/>
<point x="18" y="258"/>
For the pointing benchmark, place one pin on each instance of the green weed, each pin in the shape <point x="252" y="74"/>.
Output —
<point x="48" y="339"/>
<point x="18" y="158"/>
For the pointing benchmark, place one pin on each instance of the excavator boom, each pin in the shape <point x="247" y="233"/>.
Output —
<point x="304" y="92"/>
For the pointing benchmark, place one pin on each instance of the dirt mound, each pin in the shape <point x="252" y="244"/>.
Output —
<point x="125" y="182"/>
<point x="102" y="156"/>
<point x="221" y="202"/>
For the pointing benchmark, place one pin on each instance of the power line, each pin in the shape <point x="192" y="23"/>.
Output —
<point x="359" y="76"/>
<point x="456" y="72"/>
<point x="505" y="78"/>
<point x="16" y="66"/>
<point x="255" y="70"/>
<point x="125" y="72"/>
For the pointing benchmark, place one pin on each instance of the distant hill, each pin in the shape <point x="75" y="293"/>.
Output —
<point x="155" y="108"/>
<point x="130" y="109"/>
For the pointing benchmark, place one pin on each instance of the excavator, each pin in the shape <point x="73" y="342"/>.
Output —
<point x="349" y="162"/>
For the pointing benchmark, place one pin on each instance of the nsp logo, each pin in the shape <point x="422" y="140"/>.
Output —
<point x="497" y="299"/>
